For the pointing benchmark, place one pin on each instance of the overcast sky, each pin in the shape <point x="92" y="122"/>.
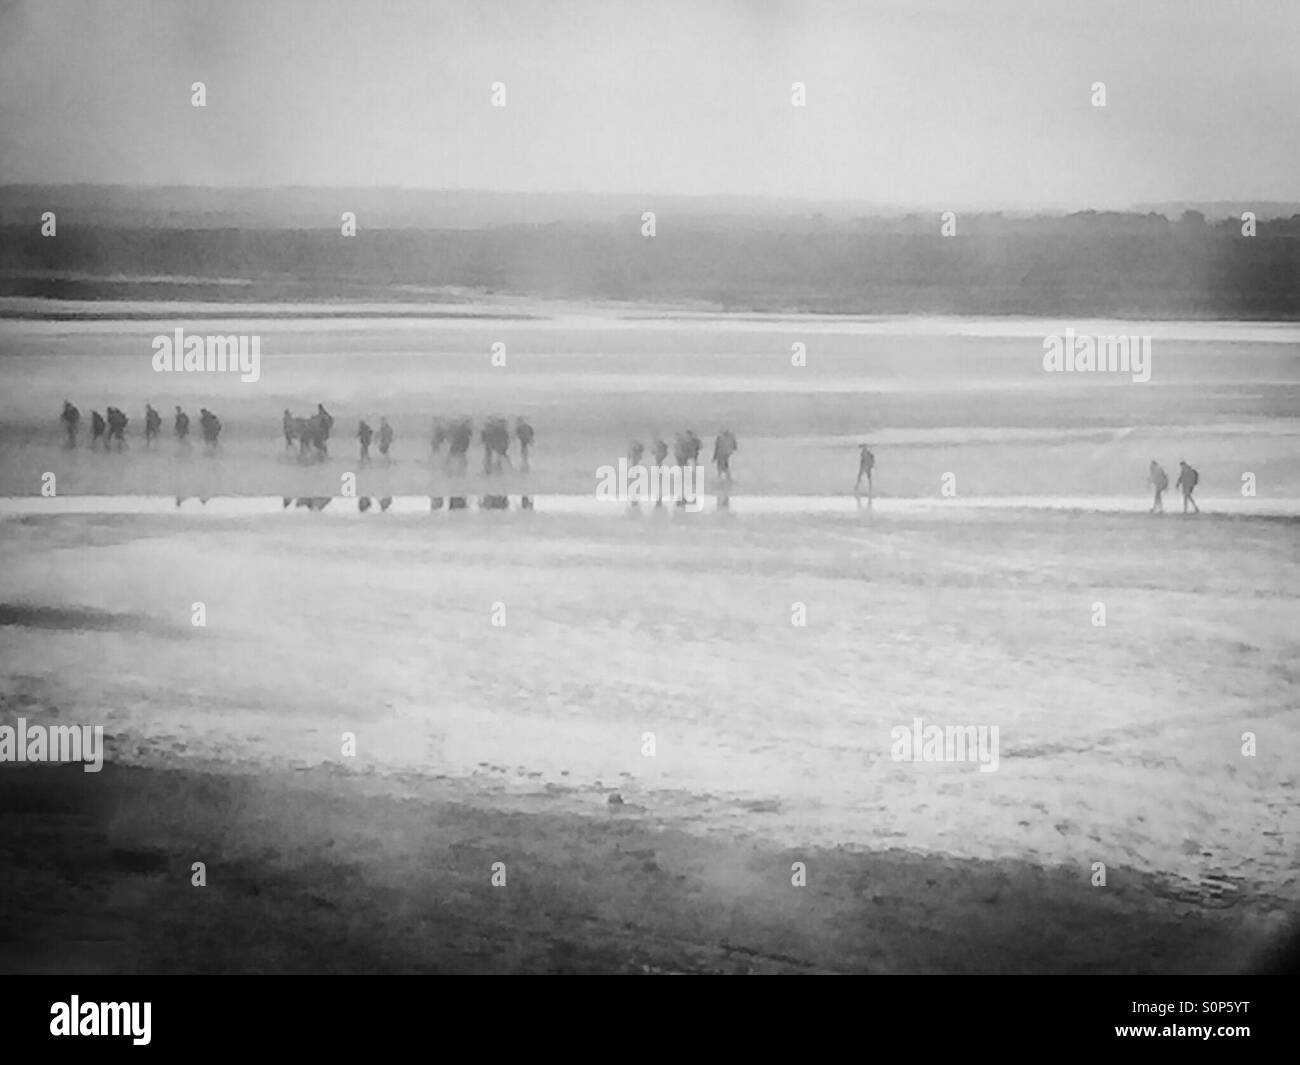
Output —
<point x="961" y="103"/>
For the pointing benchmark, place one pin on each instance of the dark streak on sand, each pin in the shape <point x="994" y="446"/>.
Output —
<point x="311" y="871"/>
<point x="30" y="616"/>
<point x="189" y="313"/>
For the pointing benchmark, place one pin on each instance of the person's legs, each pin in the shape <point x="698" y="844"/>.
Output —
<point x="1192" y="500"/>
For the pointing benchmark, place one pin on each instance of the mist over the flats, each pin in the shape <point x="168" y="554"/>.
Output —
<point x="927" y="103"/>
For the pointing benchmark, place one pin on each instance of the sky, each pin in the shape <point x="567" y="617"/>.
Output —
<point x="967" y="104"/>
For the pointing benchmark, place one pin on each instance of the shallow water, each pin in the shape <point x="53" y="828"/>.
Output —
<point x="589" y="505"/>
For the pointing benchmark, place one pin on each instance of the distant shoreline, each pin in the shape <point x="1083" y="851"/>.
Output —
<point x="127" y="308"/>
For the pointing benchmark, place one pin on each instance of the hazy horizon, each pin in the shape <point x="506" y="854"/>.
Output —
<point x="951" y="107"/>
<point x="650" y="198"/>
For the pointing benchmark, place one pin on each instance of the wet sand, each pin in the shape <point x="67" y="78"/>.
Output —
<point x="320" y="871"/>
<point x="479" y="744"/>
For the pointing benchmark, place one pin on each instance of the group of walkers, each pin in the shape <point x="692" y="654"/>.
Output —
<point x="365" y="433"/>
<point x="458" y="435"/>
<point x="1187" y="481"/>
<point x="686" y="451"/>
<point x="111" y="430"/>
<point x="312" y="435"/>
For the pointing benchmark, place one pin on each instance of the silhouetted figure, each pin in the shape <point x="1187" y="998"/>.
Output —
<point x="385" y="436"/>
<point x="181" y="427"/>
<point x="364" y="434"/>
<point x="866" y="463"/>
<point x="661" y="456"/>
<point x="71" y="418"/>
<point x="322" y="425"/>
<point x="98" y="427"/>
<point x="524" y="433"/>
<point x="459" y="436"/>
<point x="1187" y="479"/>
<point x="210" y="425"/>
<point x="312" y="435"/>
<point x="152" y="424"/>
<point x="289" y="425"/>
<point x="687" y="448"/>
<point x="1159" y="480"/>
<point x="496" y="444"/>
<point x="723" y="448"/>
<point x="117" y="427"/>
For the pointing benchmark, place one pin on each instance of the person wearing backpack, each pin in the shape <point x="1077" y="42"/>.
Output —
<point x="1187" y="479"/>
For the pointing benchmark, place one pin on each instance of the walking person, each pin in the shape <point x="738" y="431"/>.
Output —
<point x="723" y="448"/>
<point x="661" y="456"/>
<point x="71" y="418"/>
<point x="364" y="434"/>
<point x="152" y="424"/>
<point x="1159" y="480"/>
<point x="385" y="437"/>
<point x="524" y="433"/>
<point x="182" y="427"/>
<point x="324" y="425"/>
<point x="1187" y="480"/>
<point x="211" y="427"/>
<point x="866" y="463"/>
<point x="116" y="428"/>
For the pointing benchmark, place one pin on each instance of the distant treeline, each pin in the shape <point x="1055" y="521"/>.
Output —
<point x="1103" y="264"/>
